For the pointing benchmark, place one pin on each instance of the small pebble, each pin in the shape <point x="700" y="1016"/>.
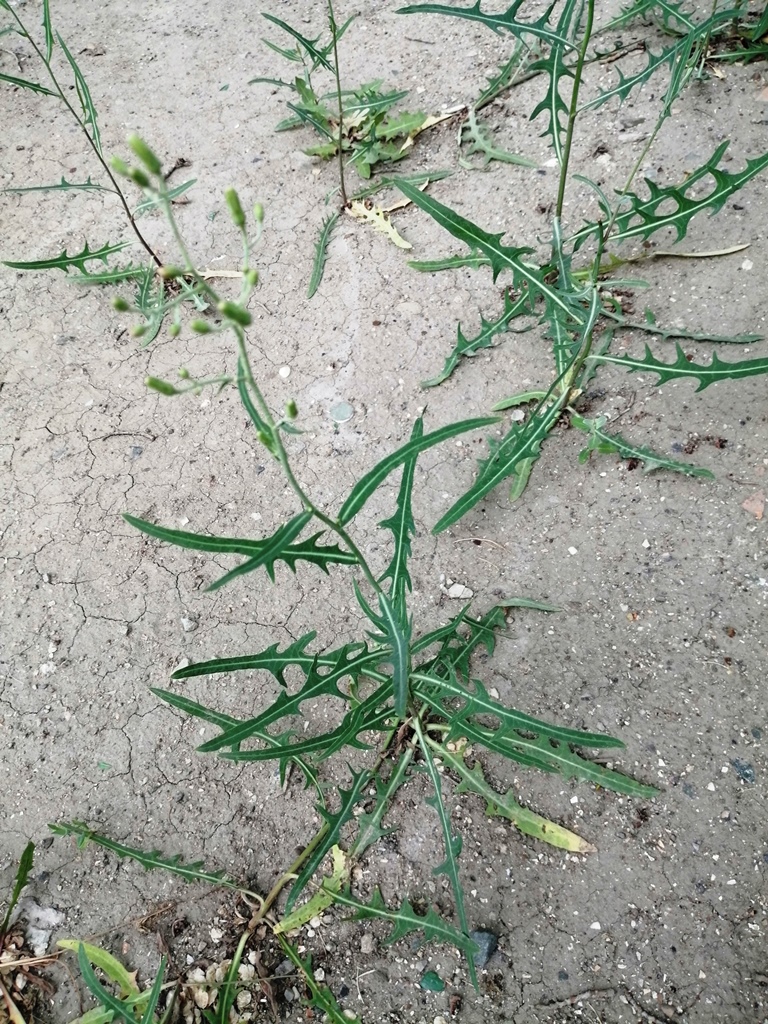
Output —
<point x="595" y="926"/>
<point x="459" y="591"/>
<point x="367" y="944"/>
<point x="285" y="372"/>
<point x="744" y="770"/>
<point x="573" y="551"/>
<point x="486" y="943"/>
<point x="188" y="624"/>
<point x="341" y="412"/>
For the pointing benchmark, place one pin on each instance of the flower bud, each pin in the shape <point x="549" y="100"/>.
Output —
<point x="258" y="213"/>
<point x="120" y="304"/>
<point x="138" y="177"/>
<point x="264" y="438"/>
<point x="138" y="330"/>
<point x="251" y="277"/>
<point x="120" y="166"/>
<point x="200" y="327"/>
<point x="174" y="330"/>
<point x="291" y="409"/>
<point x="163" y="387"/>
<point x="184" y="373"/>
<point x="145" y="154"/>
<point x="170" y="273"/>
<point x="233" y="311"/>
<point x="235" y="209"/>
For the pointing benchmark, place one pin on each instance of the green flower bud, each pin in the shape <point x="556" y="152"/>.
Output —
<point x="291" y="409"/>
<point x="174" y="330"/>
<point x="264" y="438"/>
<point x="120" y="166"/>
<point x="200" y="327"/>
<point x="184" y="373"/>
<point x="251" y="277"/>
<point x="235" y="209"/>
<point x="145" y="154"/>
<point x="138" y="331"/>
<point x="258" y="213"/>
<point x="138" y="177"/>
<point x="120" y="304"/>
<point x="170" y="273"/>
<point x="232" y="311"/>
<point x="161" y="386"/>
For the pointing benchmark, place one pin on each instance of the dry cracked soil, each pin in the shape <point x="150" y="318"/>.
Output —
<point x="662" y="579"/>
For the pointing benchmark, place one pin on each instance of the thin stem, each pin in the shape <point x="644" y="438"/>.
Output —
<point x="574" y="108"/>
<point x="84" y="129"/>
<point x="334" y="37"/>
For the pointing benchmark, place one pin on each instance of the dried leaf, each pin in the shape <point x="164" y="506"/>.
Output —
<point x="755" y="504"/>
<point x="375" y="216"/>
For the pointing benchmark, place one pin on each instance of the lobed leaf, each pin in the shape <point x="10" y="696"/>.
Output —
<point x="318" y="56"/>
<point x="24" y="83"/>
<point x="682" y="367"/>
<point x="84" y="95"/>
<point x="153" y="202"/>
<point x="473" y="260"/>
<point x="405" y="921"/>
<point x="614" y="444"/>
<point x="65" y="261"/>
<point x="557" y="71"/>
<point x="489" y="329"/>
<point x="496" y="22"/>
<point x="396" y="636"/>
<point x="351" y="660"/>
<point x="149" y="859"/>
<point x="63" y="186"/>
<point x="47" y="28"/>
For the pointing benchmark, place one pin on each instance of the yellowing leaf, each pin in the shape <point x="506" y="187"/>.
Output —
<point x="100" y="958"/>
<point x="376" y="217"/>
<point x="322" y="899"/>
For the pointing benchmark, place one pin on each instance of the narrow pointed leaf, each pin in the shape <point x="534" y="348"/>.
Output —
<point x="365" y="487"/>
<point x="397" y="633"/>
<point x="473" y="261"/>
<point x="248" y="403"/>
<point x="321" y="254"/>
<point x="627" y="83"/>
<point x="65" y="261"/>
<point x="649" y="326"/>
<point x="369" y="822"/>
<point x="84" y="95"/>
<point x="307" y="44"/>
<point x="107" y="963"/>
<point x="335" y="822"/>
<point x="63" y="186"/>
<point x="123" y="1011"/>
<point x="506" y="458"/>
<point x="320" y="996"/>
<point x="403" y="528"/>
<point x="155" y="202"/>
<point x="718" y="369"/>
<point x="22" y="876"/>
<point x="473" y="780"/>
<point x="48" y="30"/>
<point x="24" y="83"/>
<point x="451" y="842"/>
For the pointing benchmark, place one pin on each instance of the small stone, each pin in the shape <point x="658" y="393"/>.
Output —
<point x="459" y="591"/>
<point x="747" y="264"/>
<point x="595" y="926"/>
<point x="342" y="412"/>
<point x="573" y="551"/>
<point x="244" y="999"/>
<point x="216" y="935"/>
<point x="367" y="944"/>
<point x="646" y="543"/>
<point x="319" y="974"/>
<point x="744" y="770"/>
<point x="188" y="624"/>
<point x="285" y="372"/>
<point x="702" y="975"/>
<point x="486" y="943"/>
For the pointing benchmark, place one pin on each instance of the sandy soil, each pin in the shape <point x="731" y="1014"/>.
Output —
<point x="663" y="580"/>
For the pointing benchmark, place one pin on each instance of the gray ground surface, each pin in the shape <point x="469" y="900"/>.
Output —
<point x="663" y="580"/>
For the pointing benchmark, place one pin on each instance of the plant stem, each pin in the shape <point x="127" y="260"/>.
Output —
<point x="334" y="36"/>
<point x="84" y="129"/>
<point x="573" y="111"/>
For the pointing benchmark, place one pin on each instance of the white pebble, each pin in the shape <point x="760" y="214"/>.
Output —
<point x="285" y="372"/>
<point x="595" y="926"/>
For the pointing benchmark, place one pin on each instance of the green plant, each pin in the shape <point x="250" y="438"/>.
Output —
<point x="149" y="296"/>
<point x="581" y="313"/>
<point x="411" y="688"/>
<point x="357" y="127"/>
